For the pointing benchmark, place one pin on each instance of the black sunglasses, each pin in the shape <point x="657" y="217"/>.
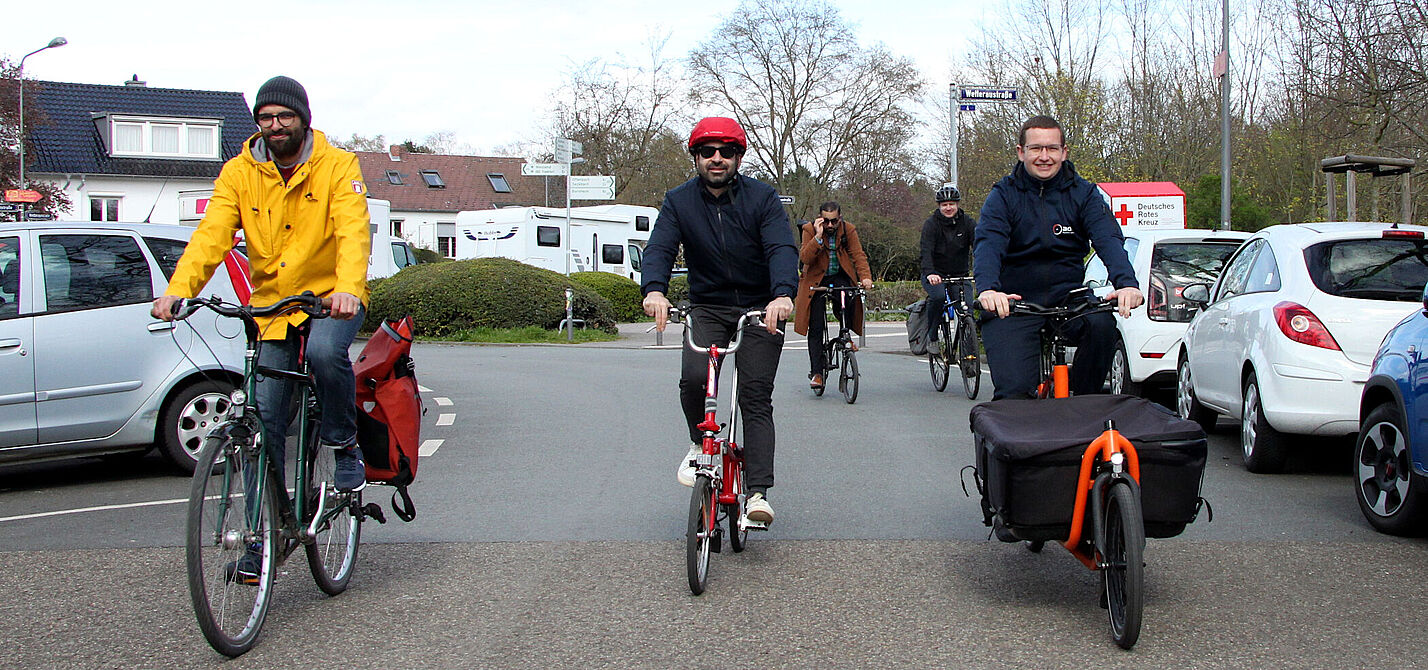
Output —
<point x="706" y="151"/>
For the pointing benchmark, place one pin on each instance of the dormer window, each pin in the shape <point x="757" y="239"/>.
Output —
<point x="158" y="137"/>
<point x="498" y="182"/>
<point x="394" y="178"/>
<point x="432" y="179"/>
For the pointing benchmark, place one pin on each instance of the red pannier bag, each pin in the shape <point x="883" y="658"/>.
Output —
<point x="389" y="411"/>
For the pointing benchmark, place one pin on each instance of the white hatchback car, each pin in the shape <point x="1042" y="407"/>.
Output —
<point x="1288" y="332"/>
<point x="84" y="369"/>
<point x="1165" y="262"/>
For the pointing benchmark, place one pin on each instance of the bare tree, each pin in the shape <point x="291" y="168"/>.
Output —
<point x="360" y="143"/>
<point x="814" y="101"/>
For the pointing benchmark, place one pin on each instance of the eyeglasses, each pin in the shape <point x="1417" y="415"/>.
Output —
<point x="706" y="151"/>
<point x="283" y="118"/>
<point x="1037" y="149"/>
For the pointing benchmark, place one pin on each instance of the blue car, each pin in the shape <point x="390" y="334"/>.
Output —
<point x="1391" y="455"/>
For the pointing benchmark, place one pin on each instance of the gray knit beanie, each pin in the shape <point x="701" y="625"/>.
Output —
<point x="287" y="92"/>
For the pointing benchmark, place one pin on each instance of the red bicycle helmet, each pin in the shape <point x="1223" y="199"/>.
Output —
<point x="718" y="129"/>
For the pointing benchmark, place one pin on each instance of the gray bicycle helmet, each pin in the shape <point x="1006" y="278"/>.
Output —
<point x="948" y="192"/>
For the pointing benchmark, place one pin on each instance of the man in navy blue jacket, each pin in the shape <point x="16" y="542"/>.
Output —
<point x="738" y="245"/>
<point x="1037" y="226"/>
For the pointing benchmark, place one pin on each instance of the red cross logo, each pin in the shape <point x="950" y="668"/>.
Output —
<point x="1124" y="216"/>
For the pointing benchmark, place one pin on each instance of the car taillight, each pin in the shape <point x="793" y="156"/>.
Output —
<point x="1402" y="234"/>
<point x="1158" y="306"/>
<point x="1299" y="324"/>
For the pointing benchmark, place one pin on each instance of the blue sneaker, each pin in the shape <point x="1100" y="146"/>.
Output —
<point x="245" y="570"/>
<point x="348" y="470"/>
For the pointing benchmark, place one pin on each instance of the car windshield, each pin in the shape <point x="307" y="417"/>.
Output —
<point x="1376" y="269"/>
<point x="1173" y="266"/>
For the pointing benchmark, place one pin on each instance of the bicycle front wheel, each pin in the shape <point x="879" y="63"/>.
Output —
<point x="230" y="546"/>
<point x="848" y="377"/>
<point x="332" y="554"/>
<point x="969" y="356"/>
<point x="738" y="537"/>
<point x="699" y="536"/>
<point x="1123" y="556"/>
<point x="937" y="359"/>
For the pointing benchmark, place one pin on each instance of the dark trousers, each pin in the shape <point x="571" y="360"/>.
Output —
<point x="327" y="346"/>
<point x="818" y="320"/>
<point x="757" y="363"/>
<point x="937" y="297"/>
<point x="1014" y="353"/>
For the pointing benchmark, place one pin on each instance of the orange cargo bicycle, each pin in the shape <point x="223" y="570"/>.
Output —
<point x="1074" y="471"/>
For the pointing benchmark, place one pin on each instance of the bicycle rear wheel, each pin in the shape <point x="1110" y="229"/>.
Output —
<point x="939" y="358"/>
<point x="969" y="356"/>
<point x="848" y="377"/>
<point x="699" y="535"/>
<point x="230" y="546"/>
<point x="1123" y="555"/>
<point x="332" y="554"/>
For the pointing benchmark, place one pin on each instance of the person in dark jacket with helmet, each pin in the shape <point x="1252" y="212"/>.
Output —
<point x="1038" y="224"/>
<point x="946" y="251"/>
<point x="738" y="245"/>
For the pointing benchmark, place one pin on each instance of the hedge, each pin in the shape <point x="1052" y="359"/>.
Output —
<point x="446" y="298"/>
<point x="622" y="292"/>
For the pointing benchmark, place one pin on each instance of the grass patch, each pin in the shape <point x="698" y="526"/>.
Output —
<point x="527" y="335"/>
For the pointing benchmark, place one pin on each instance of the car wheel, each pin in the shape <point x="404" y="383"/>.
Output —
<point x="188" y="417"/>
<point x="1391" y="495"/>
<point x="1120" y="376"/>
<point x="1264" y="448"/>
<point x="1185" y="403"/>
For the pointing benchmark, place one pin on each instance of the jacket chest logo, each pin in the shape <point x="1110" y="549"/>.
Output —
<point x="1062" y="229"/>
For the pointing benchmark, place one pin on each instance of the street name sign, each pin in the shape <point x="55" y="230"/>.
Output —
<point x="786" y="199"/>
<point x="9" y="207"/>
<point x="986" y="94"/>
<point x="565" y="149"/>
<point x="545" y="169"/>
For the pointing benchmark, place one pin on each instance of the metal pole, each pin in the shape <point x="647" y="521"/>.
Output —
<point x="952" y="103"/>
<point x="1225" y="120"/>
<point x="569" y="315"/>
<point x="569" y="244"/>
<point x="56" y="42"/>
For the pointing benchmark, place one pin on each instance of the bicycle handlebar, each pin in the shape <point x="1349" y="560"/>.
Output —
<point x="1077" y="308"/>
<point x="687" y="316"/>
<point x="838" y="289"/>
<point x="307" y="302"/>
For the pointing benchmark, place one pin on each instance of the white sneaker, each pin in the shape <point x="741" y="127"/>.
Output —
<point x="758" y="509"/>
<point x="685" y="473"/>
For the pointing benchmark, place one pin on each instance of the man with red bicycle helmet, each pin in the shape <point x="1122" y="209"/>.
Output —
<point x="739" y="248"/>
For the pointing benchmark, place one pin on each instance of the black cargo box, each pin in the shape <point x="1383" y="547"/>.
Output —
<point x="1029" y="457"/>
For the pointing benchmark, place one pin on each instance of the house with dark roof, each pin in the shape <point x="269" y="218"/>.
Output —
<point x="132" y="152"/>
<point x="427" y="190"/>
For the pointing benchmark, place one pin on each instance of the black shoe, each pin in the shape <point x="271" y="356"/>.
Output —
<point x="1003" y="533"/>
<point x="246" y="570"/>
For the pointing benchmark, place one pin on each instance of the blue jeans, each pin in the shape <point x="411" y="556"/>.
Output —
<point x="937" y="297"/>
<point x="327" y="345"/>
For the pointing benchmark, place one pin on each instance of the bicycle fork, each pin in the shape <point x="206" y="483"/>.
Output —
<point x="1113" y="458"/>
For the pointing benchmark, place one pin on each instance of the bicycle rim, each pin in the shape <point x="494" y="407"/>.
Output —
<point x="699" y="535"/>
<point x="218" y="533"/>
<point x="937" y="359"/>
<point x="1123" y="555"/>
<point x="738" y="537"/>
<point x="969" y="358"/>
<point x="332" y="554"/>
<point x="848" y="377"/>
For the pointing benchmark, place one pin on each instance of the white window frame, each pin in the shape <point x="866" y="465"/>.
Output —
<point x="118" y="207"/>
<point x="146" y="126"/>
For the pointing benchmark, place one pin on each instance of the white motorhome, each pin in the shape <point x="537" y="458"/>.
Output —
<point x="604" y="238"/>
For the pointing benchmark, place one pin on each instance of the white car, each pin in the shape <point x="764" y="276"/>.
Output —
<point x="1288" y="332"/>
<point x="1165" y="262"/>
<point x="84" y="369"/>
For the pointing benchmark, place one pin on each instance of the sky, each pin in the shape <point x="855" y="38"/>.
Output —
<point x="484" y="71"/>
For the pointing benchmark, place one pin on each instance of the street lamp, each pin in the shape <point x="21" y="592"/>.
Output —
<point x="56" y="42"/>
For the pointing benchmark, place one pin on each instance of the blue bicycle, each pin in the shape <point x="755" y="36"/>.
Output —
<point x="962" y="348"/>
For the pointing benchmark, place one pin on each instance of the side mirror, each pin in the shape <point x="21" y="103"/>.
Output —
<point x="1098" y="283"/>
<point x="1197" y="293"/>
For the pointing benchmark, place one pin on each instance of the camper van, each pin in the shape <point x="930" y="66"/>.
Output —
<point x="604" y="238"/>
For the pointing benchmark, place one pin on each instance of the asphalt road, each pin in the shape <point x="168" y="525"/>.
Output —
<point x="550" y="535"/>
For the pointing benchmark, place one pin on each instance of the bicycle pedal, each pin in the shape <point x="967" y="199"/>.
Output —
<point x="746" y="523"/>
<point x="374" y="511"/>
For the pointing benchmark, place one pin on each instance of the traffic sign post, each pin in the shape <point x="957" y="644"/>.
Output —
<point x="961" y="99"/>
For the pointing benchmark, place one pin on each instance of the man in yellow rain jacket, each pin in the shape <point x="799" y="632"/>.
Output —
<point x="302" y="207"/>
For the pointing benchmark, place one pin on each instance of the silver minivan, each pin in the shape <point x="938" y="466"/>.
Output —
<point x="84" y="369"/>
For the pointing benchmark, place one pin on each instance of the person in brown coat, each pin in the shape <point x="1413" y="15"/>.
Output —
<point x="822" y="267"/>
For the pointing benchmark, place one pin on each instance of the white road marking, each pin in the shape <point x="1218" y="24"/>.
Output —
<point x="445" y="419"/>
<point x="423" y="389"/>
<point x="429" y="447"/>
<point x="443" y="401"/>
<point x="101" y="508"/>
